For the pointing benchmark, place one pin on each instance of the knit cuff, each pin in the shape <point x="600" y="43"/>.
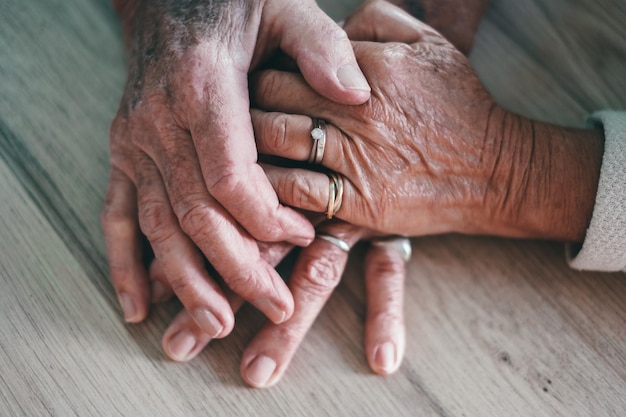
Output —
<point x="604" y="248"/>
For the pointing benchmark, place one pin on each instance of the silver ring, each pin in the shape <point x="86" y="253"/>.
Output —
<point x="400" y="245"/>
<point x="341" y="244"/>
<point x="318" y="134"/>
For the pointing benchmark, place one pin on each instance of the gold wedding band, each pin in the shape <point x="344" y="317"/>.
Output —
<point x="335" y="194"/>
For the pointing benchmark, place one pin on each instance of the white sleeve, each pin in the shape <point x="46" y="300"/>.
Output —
<point x="604" y="248"/>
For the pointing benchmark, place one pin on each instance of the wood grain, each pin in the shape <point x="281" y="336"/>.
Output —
<point x="495" y="327"/>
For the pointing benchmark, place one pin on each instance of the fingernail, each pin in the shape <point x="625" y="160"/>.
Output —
<point x="260" y="371"/>
<point x="385" y="357"/>
<point x="271" y="310"/>
<point x="128" y="306"/>
<point x="302" y="241"/>
<point x="208" y="322"/>
<point x="352" y="78"/>
<point x="158" y="291"/>
<point x="181" y="345"/>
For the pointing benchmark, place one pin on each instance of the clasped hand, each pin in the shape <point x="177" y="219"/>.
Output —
<point x="184" y="171"/>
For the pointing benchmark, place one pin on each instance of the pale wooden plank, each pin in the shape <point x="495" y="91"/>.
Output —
<point x="505" y="328"/>
<point x="64" y="351"/>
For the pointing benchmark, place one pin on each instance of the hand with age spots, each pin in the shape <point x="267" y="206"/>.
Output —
<point x="430" y="152"/>
<point x="317" y="272"/>
<point x="184" y="166"/>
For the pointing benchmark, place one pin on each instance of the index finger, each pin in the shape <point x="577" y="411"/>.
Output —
<point x="222" y="133"/>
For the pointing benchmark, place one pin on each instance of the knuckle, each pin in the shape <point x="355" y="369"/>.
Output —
<point x="155" y="220"/>
<point x="267" y="84"/>
<point x="387" y="266"/>
<point x="289" y="336"/>
<point x="395" y="54"/>
<point x="242" y="284"/>
<point x="227" y="185"/>
<point x="278" y="132"/>
<point x="339" y="35"/>
<point x="198" y="220"/>
<point x="181" y="286"/>
<point x="152" y="114"/>
<point x="318" y="276"/>
<point x="301" y="193"/>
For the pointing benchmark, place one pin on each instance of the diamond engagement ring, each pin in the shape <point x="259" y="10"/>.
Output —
<point x="318" y="134"/>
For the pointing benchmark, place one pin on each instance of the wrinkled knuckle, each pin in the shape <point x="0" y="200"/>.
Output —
<point x="388" y="266"/>
<point x="197" y="219"/>
<point x="268" y="83"/>
<point x="229" y="184"/>
<point x="278" y="133"/>
<point x="289" y="336"/>
<point x="394" y="54"/>
<point x="300" y="192"/>
<point x="305" y="194"/>
<point x="338" y="35"/>
<point x="181" y="286"/>
<point x="319" y="275"/>
<point x="155" y="221"/>
<point x="243" y="283"/>
<point x="148" y="111"/>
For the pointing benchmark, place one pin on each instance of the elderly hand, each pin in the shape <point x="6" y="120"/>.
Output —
<point x="431" y="152"/>
<point x="183" y="153"/>
<point x="316" y="273"/>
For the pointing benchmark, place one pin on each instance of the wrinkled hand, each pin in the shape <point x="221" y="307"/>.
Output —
<point x="315" y="275"/>
<point x="318" y="270"/>
<point x="412" y="156"/>
<point x="431" y="152"/>
<point x="183" y="153"/>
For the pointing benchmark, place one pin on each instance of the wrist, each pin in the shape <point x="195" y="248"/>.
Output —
<point x="545" y="182"/>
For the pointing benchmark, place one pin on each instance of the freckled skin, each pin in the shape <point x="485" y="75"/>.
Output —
<point x="398" y="118"/>
<point x="184" y="168"/>
<point x="431" y="152"/>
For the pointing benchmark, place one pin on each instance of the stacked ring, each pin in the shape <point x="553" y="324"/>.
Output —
<point x="335" y="194"/>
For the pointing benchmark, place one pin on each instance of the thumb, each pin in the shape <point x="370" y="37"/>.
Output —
<point x="381" y="21"/>
<point x="321" y="49"/>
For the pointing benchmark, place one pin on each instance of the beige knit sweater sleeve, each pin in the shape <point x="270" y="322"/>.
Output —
<point x="604" y="248"/>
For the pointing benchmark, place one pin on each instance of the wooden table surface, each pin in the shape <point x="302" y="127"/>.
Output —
<point x="495" y="327"/>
